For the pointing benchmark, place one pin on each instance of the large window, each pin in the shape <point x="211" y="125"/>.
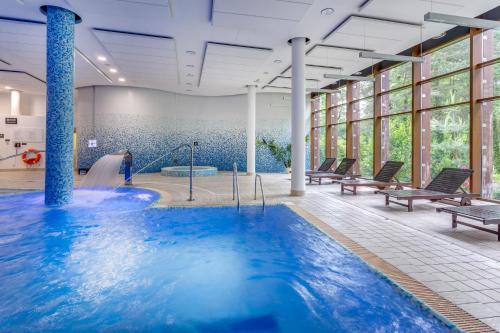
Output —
<point x="396" y="126"/>
<point x="338" y="115"/>
<point x="445" y="109"/>
<point x="451" y="108"/>
<point x="490" y="114"/>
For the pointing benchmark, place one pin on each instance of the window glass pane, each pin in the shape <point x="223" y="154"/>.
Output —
<point x="362" y="89"/>
<point x="445" y="140"/>
<point x="363" y="147"/>
<point x="315" y="104"/>
<point x="315" y="119"/>
<point x="491" y="45"/>
<point x="338" y="114"/>
<point x="396" y="77"/>
<point x="397" y="101"/>
<point x="396" y="143"/>
<point x="322" y="101"/>
<point x="322" y="144"/>
<point x="340" y="97"/>
<point x="490" y="81"/>
<point x="338" y="141"/>
<point x="491" y="149"/>
<point x="445" y="91"/>
<point x="319" y="146"/>
<point x="447" y="59"/>
<point x="321" y="118"/>
<point x="362" y="109"/>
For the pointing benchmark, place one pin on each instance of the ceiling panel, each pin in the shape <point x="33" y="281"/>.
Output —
<point x="316" y="71"/>
<point x="232" y="65"/>
<point x="22" y="44"/>
<point x="285" y="81"/>
<point x="109" y="10"/>
<point x="375" y="34"/>
<point x="259" y="14"/>
<point x="142" y="60"/>
<point x="413" y="10"/>
<point x="21" y="81"/>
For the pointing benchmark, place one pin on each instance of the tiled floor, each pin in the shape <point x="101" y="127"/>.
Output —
<point x="462" y="265"/>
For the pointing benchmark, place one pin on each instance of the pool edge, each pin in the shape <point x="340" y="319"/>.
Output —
<point x="450" y="313"/>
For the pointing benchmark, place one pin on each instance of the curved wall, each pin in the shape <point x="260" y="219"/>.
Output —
<point x="150" y="123"/>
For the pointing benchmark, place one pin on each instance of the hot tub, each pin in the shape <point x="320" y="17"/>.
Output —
<point x="183" y="171"/>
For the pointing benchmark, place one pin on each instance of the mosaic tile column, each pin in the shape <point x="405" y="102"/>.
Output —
<point x="59" y="138"/>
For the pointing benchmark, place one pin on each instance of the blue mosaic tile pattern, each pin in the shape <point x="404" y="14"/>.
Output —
<point x="220" y="143"/>
<point x="60" y="71"/>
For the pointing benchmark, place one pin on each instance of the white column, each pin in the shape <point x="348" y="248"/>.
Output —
<point x="251" y="130"/>
<point x="298" y="116"/>
<point x="15" y="103"/>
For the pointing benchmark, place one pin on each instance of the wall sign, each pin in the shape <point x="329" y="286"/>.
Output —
<point x="11" y="121"/>
<point x="92" y="143"/>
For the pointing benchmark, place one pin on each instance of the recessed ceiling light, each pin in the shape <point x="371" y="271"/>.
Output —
<point x="327" y="11"/>
<point x="441" y="35"/>
<point x="190" y="52"/>
<point x="113" y="70"/>
<point x="121" y="79"/>
<point x="190" y="66"/>
<point x="277" y="61"/>
<point x="188" y="90"/>
<point x="8" y="87"/>
<point x="101" y="58"/>
<point x="357" y="73"/>
<point x="189" y="84"/>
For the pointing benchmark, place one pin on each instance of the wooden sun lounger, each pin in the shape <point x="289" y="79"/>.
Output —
<point x="339" y="173"/>
<point x="487" y="214"/>
<point x="326" y="166"/>
<point x="385" y="178"/>
<point x="444" y="186"/>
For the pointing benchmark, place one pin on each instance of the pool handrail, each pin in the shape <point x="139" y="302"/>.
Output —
<point x="257" y="176"/>
<point x="191" y="149"/>
<point x="236" y="186"/>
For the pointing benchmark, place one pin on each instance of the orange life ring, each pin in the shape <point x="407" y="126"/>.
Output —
<point x="31" y="156"/>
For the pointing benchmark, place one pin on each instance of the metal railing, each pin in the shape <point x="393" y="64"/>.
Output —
<point x="236" y="186"/>
<point x="261" y="190"/>
<point x="191" y="149"/>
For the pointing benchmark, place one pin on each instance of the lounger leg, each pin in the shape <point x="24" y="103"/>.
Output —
<point x="498" y="233"/>
<point x="310" y="179"/>
<point x="387" y="200"/>
<point x="341" y="188"/>
<point x="410" y="205"/>
<point x="354" y="189"/>
<point x="319" y="181"/>
<point x="454" y="221"/>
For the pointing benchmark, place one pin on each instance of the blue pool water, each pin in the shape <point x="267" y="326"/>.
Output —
<point x="106" y="263"/>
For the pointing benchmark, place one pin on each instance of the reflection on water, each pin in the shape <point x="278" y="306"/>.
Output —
<point x="106" y="263"/>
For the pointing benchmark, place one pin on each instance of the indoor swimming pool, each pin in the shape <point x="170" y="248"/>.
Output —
<point x="107" y="262"/>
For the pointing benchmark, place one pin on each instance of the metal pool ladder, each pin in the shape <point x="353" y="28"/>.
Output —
<point x="236" y="186"/>
<point x="257" y="176"/>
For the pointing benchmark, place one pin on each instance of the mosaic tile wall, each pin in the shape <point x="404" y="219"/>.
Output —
<point x="151" y="123"/>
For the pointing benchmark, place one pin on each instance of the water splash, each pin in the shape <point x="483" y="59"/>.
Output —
<point x="105" y="173"/>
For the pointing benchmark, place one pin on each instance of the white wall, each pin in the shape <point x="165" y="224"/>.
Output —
<point x="30" y="130"/>
<point x="5" y="103"/>
<point x="31" y="105"/>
